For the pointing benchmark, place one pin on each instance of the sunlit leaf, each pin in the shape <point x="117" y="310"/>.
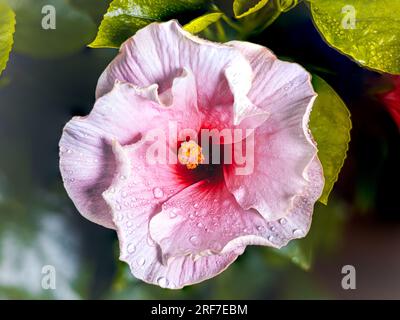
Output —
<point x="330" y="125"/>
<point x="242" y="8"/>
<point x="7" y="27"/>
<point x="367" y="31"/>
<point x="125" y="17"/>
<point x="199" y="24"/>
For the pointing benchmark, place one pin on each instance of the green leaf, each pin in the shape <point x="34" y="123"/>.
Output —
<point x="125" y="17"/>
<point x="242" y="8"/>
<point x="330" y="125"/>
<point x="199" y="24"/>
<point x="373" y="39"/>
<point x="74" y="29"/>
<point x="7" y="28"/>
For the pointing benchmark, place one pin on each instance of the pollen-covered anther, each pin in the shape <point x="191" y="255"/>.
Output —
<point x="190" y="154"/>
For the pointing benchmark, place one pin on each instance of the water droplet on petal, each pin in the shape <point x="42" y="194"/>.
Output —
<point x="260" y="228"/>
<point x="69" y="151"/>
<point x="162" y="282"/>
<point x="196" y="205"/>
<point x="173" y="213"/>
<point x="124" y="194"/>
<point x="158" y="193"/>
<point x="200" y="225"/>
<point x="131" y="248"/>
<point x="282" y="221"/>
<point x="270" y="238"/>
<point x="118" y="207"/>
<point x="141" y="261"/>
<point x="194" y="240"/>
<point x="216" y="246"/>
<point x="297" y="232"/>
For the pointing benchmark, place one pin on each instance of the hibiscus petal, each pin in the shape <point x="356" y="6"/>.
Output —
<point x="126" y="113"/>
<point x="134" y="199"/>
<point x="283" y="145"/>
<point x="157" y="53"/>
<point x="205" y="219"/>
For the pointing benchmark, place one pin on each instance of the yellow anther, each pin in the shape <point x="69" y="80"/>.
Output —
<point x="190" y="154"/>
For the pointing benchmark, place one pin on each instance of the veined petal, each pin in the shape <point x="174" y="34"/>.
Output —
<point x="125" y="114"/>
<point x="133" y="200"/>
<point x="283" y="146"/>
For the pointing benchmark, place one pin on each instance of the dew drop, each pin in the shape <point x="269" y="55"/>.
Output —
<point x="194" y="240"/>
<point x="69" y="151"/>
<point x="118" y="207"/>
<point x="282" y="221"/>
<point x="124" y="194"/>
<point x="260" y="228"/>
<point x="158" y="193"/>
<point x="216" y="246"/>
<point x="270" y="238"/>
<point x="141" y="261"/>
<point x="122" y="177"/>
<point x="162" y="282"/>
<point x="131" y="248"/>
<point x="173" y="213"/>
<point x="297" y="232"/>
<point x="200" y="225"/>
<point x="196" y="205"/>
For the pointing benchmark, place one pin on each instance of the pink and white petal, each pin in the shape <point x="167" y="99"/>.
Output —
<point x="134" y="199"/>
<point x="201" y="220"/>
<point x="283" y="144"/>
<point x="205" y="219"/>
<point x="158" y="53"/>
<point x="295" y="224"/>
<point x="231" y="108"/>
<point x="125" y="114"/>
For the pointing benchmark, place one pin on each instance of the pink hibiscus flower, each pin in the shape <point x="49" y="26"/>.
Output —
<point x="139" y="162"/>
<point x="391" y="100"/>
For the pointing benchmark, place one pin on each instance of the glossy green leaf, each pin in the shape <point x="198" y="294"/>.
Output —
<point x="199" y="24"/>
<point x="330" y="125"/>
<point x="7" y="27"/>
<point x="125" y="17"/>
<point x="73" y="28"/>
<point x="242" y="8"/>
<point x="366" y="30"/>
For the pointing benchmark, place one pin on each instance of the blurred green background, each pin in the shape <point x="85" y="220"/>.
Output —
<point x="45" y="85"/>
